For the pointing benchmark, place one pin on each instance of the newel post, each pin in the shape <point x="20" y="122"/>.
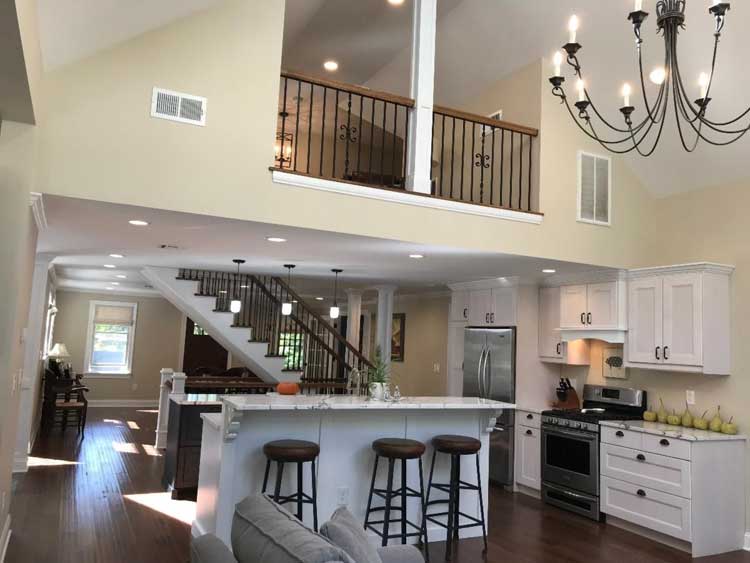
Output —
<point x="163" y="418"/>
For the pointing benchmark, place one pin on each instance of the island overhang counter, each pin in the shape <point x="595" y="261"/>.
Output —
<point x="232" y="462"/>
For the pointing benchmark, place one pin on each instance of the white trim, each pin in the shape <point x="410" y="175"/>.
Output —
<point x="611" y="336"/>
<point x="37" y="209"/>
<point x="93" y="304"/>
<point x="107" y="375"/>
<point x="5" y="538"/>
<point x="594" y="221"/>
<point x="181" y="342"/>
<point x="591" y="276"/>
<point x="485" y="284"/>
<point x="746" y="547"/>
<point x="710" y="267"/>
<point x="404" y="198"/>
<point x="140" y="403"/>
<point x="119" y="292"/>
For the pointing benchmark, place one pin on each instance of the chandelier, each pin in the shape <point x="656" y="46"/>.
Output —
<point x="643" y="127"/>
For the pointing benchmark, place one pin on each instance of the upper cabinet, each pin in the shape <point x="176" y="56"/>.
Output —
<point x="551" y="346"/>
<point x="459" y="306"/>
<point x="595" y="306"/>
<point x="485" y="303"/>
<point x="679" y="318"/>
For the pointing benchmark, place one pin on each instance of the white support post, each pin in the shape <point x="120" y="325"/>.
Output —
<point x="384" y="330"/>
<point x="418" y="156"/>
<point x="354" y="312"/>
<point x="162" y="419"/>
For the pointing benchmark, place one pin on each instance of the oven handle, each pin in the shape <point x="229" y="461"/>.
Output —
<point x="577" y="435"/>
<point x="569" y="493"/>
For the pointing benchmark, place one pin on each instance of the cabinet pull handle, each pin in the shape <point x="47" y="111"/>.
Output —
<point x="529" y="416"/>
<point x="656" y="353"/>
<point x="640" y="457"/>
<point x="583" y="318"/>
<point x="620" y="434"/>
<point x="666" y="350"/>
<point x="664" y="442"/>
<point x="529" y="432"/>
<point x="641" y="493"/>
<point x="588" y="318"/>
<point x="558" y="348"/>
<point x="466" y="312"/>
<point x="487" y="318"/>
<point x="492" y="317"/>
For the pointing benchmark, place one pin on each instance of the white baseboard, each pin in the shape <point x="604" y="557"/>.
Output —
<point x="746" y="547"/>
<point x="4" y="538"/>
<point x="140" y="403"/>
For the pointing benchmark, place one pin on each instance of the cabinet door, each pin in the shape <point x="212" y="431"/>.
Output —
<point x="683" y="322"/>
<point x="503" y="307"/>
<point x="573" y="306"/>
<point x="480" y="307"/>
<point x="529" y="462"/>
<point x="459" y="306"/>
<point x="602" y="305"/>
<point x="645" y="320"/>
<point x="549" y="322"/>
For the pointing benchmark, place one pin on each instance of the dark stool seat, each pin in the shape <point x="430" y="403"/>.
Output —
<point x="398" y="448"/>
<point x="461" y="445"/>
<point x="291" y="451"/>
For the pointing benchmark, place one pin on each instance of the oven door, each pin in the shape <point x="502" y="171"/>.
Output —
<point x="571" y="459"/>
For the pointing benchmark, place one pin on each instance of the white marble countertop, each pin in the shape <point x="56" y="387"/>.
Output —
<point x="535" y="409"/>
<point x="213" y="419"/>
<point x="344" y="402"/>
<point x="195" y="398"/>
<point x="676" y="432"/>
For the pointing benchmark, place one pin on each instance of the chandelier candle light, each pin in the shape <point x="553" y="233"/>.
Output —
<point x="335" y="311"/>
<point x="286" y="307"/>
<point x="643" y="135"/>
<point x="236" y="304"/>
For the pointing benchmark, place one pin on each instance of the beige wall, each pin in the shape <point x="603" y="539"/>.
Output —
<point x="157" y="342"/>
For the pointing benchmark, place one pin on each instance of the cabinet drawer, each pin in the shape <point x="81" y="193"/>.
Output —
<point x="531" y="419"/>
<point x="658" y="472"/>
<point x="667" y="446"/>
<point x="661" y="512"/>
<point x="624" y="438"/>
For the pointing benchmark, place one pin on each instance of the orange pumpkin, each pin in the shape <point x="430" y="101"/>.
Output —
<point x="287" y="388"/>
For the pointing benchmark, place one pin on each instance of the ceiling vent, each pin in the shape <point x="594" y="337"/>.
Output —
<point x="176" y="106"/>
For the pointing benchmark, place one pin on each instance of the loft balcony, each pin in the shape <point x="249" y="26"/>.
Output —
<point x="347" y="138"/>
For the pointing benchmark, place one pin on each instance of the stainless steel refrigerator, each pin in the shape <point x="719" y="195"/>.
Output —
<point x="490" y="372"/>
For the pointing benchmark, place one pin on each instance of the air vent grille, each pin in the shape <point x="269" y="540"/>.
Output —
<point x="177" y="106"/>
<point x="594" y="188"/>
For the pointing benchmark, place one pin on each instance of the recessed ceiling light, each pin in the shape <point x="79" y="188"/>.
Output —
<point x="110" y="288"/>
<point x="319" y="299"/>
<point x="110" y="266"/>
<point x="548" y="271"/>
<point x="121" y="276"/>
<point x="395" y="2"/>
<point x="138" y="223"/>
<point x="116" y="256"/>
<point x="115" y="283"/>
<point x="275" y="239"/>
<point x="416" y="256"/>
<point x="331" y="66"/>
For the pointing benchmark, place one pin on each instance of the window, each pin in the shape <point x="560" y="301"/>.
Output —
<point x="199" y="331"/>
<point x="594" y="189"/>
<point x="109" y="344"/>
<point x="293" y="347"/>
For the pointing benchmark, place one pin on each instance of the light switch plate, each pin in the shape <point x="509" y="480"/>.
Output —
<point x="690" y="396"/>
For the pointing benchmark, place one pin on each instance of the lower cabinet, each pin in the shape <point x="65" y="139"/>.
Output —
<point x="528" y="460"/>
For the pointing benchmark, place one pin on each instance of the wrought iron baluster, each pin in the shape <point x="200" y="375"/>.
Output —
<point x="283" y="125"/>
<point x="349" y="135"/>
<point x="296" y="124"/>
<point x="453" y="150"/>
<point x="473" y="155"/>
<point x="463" y="155"/>
<point x="406" y="146"/>
<point x="492" y="166"/>
<point x="323" y="129"/>
<point x="359" y="143"/>
<point x="372" y="139"/>
<point x="335" y="132"/>
<point x="309" y="127"/>
<point x="531" y="141"/>
<point x="502" y="164"/>
<point x="510" y="180"/>
<point x="520" y="172"/>
<point x="393" y="146"/>
<point x="442" y="155"/>
<point x="382" y="146"/>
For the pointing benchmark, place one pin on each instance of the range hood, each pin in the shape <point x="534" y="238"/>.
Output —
<point x="612" y="336"/>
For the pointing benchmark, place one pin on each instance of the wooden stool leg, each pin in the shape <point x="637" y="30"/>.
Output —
<point x="315" y="497"/>
<point x="279" y="475"/>
<point x="403" y="502"/>
<point x="300" y="489"/>
<point x="372" y="489"/>
<point x="481" y="505"/>
<point x="388" y="496"/>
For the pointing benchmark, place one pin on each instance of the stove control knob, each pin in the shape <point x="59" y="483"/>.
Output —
<point x="563" y="423"/>
<point x="575" y="424"/>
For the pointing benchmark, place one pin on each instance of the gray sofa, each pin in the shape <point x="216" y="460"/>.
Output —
<point x="262" y="531"/>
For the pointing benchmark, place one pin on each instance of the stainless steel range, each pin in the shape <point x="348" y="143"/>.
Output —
<point x="570" y="446"/>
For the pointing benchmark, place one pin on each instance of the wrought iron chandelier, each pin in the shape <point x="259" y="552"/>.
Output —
<point x="644" y="134"/>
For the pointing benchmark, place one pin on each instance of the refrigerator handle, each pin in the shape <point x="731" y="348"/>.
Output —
<point x="488" y="375"/>
<point x="480" y="384"/>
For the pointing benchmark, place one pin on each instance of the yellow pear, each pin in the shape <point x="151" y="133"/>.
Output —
<point x="674" y="419"/>
<point x="649" y="416"/>
<point x="701" y="423"/>
<point x="729" y="427"/>
<point x="687" y="417"/>
<point x="716" y="422"/>
<point x="662" y="414"/>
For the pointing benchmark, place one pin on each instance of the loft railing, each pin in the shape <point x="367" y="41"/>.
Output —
<point x="338" y="131"/>
<point x="307" y="342"/>
<point x="483" y="161"/>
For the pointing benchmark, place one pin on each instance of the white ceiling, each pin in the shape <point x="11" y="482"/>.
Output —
<point x="83" y="233"/>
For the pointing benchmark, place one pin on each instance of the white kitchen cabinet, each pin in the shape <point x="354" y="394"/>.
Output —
<point x="679" y="318"/>
<point x="602" y="302"/>
<point x="493" y="306"/>
<point x="459" y="311"/>
<point x="573" y="306"/>
<point x="594" y="306"/>
<point x="551" y="347"/>
<point x="480" y="307"/>
<point x="528" y="461"/>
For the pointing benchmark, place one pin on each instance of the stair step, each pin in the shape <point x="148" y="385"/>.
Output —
<point x="240" y="326"/>
<point x="290" y="370"/>
<point x="275" y="356"/>
<point x="254" y="341"/>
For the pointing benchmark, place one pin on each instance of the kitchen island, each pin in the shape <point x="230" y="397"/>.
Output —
<point x="232" y="461"/>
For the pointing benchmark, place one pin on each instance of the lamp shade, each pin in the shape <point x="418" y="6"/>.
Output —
<point x="286" y="309"/>
<point x="235" y="306"/>
<point x="334" y="312"/>
<point x="59" y="350"/>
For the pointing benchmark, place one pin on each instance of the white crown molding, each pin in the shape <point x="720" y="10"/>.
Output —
<point x="37" y="209"/>
<point x="708" y="267"/>
<point x="591" y="276"/>
<point x="118" y="292"/>
<point x="402" y="197"/>
<point x="510" y="281"/>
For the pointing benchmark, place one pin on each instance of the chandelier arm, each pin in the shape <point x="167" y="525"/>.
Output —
<point x="662" y="121"/>
<point x="631" y="137"/>
<point x="594" y="137"/>
<point x="678" y="106"/>
<point x="643" y="86"/>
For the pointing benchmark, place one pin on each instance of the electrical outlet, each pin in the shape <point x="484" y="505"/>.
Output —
<point x="342" y="496"/>
<point x="690" y="397"/>
<point x="436" y="367"/>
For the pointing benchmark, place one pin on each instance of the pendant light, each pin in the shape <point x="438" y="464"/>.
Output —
<point x="334" y="312"/>
<point x="286" y="306"/>
<point x="236" y="304"/>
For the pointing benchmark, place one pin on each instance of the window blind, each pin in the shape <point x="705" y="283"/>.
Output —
<point x="113" y="315"/>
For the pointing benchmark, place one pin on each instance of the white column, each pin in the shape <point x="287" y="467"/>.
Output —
<point x="384" y="329"/>
<point x="366" y="334"/>
<point x="162" y="419"/>
<point x="354" y="312"/>
<point x="418" y="155"/>
<point x="30" y="379"/>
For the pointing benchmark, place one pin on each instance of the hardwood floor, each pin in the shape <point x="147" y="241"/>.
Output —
<point x="101" y="501"/>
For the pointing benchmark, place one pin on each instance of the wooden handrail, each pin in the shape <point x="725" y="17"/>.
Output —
<point x="483" y="120"/>
<point x="359" y="90"/>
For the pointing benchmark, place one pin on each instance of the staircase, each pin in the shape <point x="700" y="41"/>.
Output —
<point x="301" y="347"/>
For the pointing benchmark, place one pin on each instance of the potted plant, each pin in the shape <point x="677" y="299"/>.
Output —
<point x="377" y="377"/>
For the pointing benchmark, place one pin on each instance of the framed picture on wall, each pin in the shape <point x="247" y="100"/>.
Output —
<point x="397" y="338"/>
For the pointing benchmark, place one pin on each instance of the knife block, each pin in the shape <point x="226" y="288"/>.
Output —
<point x="571" y="401"/>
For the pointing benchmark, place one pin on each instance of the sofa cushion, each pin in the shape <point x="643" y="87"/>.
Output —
<point x="264" y="531"/>
<point x="345" y="531"/>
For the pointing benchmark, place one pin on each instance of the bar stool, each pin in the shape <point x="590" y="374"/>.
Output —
<point x="299" y="452"/>
<point x="394" y="449"/>
<point x="455" y="446"/>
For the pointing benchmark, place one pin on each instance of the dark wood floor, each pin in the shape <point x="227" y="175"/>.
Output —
<point x="101" y="501"/>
